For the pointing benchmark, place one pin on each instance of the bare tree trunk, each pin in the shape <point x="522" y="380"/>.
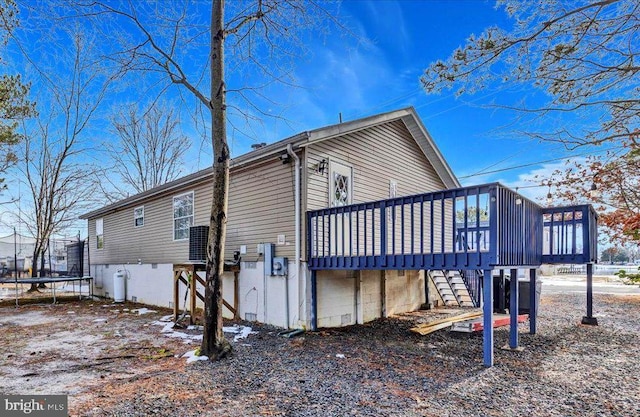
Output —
<point x="42" y="272"/>
<point x="214" y="344"/>
<point x="34" y="270"/>
<point x="251" y="30"/>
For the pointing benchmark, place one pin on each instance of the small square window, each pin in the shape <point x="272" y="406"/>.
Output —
<point x="138" y="216"/>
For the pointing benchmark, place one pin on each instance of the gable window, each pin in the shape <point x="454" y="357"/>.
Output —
<point x="341" y="184"/>
<point x="182" y="215"/>
<point x="100" y="233"/>
<point x="138" y="216"/>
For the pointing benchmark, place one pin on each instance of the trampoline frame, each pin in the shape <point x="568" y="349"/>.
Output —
<point x="53" y="281"/>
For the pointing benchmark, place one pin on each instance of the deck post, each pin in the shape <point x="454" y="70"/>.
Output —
<point x="426" y="288"/>
<point x="513" y="309"/>
<point x="314" y="301"/>
<point x="193" y="283"/>
<point x="383" y="234"/>
<point x="177" y="273"/>
<point x="533" y="298"/>
<point x="383" y="293"/>
<point x="589" y="319"/>
<point x="501" y="294"/>
<point x="236" y="293"/>
<point x="487" y="307"/>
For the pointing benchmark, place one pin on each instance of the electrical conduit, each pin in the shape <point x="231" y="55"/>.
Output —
<point x="297" y="231"/>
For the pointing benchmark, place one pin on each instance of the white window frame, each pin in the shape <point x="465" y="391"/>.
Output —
<point x="192" y="215"/>
<point x="136" y="217"/>
<point x="339" y="165"/>
<point x="100" y="233"/>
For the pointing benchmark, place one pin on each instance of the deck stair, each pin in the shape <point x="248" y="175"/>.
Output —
<point x="473" y="280"/>
<point x="460" y="290"/>
<point x="451" y="288"/>
<point x="440" y="281"/>
<point x="472" y="230"/>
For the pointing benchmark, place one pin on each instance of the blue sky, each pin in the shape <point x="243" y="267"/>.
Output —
<point x="378" y="70"/>
<point x="358" y="79"/>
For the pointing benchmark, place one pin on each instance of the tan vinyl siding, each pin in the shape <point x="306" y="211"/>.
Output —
<point x="153" y="242"/>
<point x="378" y="155"/>
<point x="261" y="200"/>
<point x="260" y="208"/>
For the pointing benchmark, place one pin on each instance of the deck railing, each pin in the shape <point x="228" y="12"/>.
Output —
<point x="432" y="230"/>
<point x="473" y="281"/>
<point x="570" y="235"/>
<point x="467" y="228"/>
<point x="518" y="235"/>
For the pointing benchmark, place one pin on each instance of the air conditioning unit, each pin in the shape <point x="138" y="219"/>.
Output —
<point x="198" y="238"/>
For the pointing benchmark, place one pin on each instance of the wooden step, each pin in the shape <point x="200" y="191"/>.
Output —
<point x="426" y="328"/>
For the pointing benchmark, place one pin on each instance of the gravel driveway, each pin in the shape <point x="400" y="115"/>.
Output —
<point x="378" y="369"/>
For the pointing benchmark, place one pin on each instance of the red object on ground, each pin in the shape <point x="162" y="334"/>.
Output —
<point x="476" y="325"/>
<point x="499" y="322"/>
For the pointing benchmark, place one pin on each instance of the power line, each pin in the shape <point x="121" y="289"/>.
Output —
<point x="530" y="164"/>
<point x="530" y="186"/>
<point x="502" y="160"/>
<point x="462" y="104"/>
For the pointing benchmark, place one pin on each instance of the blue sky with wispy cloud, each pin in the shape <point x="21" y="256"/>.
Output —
<point x="379" y="71"/>
<point x="376" y="69"/>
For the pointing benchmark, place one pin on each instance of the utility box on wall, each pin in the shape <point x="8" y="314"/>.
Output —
<point x="274" y="265"/>
<point x="279" y="267"/>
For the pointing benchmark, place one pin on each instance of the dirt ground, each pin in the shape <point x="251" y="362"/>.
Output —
<point x="122" y="359"/>
<point x="74" y="346"/>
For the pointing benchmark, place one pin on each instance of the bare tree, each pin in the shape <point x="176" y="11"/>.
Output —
<point x="578" y="62"/>
<point x="256" y="32"/>
<point x="53" y="161"/>
<point x="150" y="149"/>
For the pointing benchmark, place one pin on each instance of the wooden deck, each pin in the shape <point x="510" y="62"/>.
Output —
<point x="479" y="229"/>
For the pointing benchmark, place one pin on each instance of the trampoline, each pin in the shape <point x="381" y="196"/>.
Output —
<point x="53" y="281"/>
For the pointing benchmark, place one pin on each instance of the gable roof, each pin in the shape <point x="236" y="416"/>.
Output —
<point x="408" y="116"/>
<point x="413" y="123"/>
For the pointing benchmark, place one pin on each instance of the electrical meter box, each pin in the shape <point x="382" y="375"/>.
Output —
<point x="280" y="266"/>
<point x="274" y="265"/>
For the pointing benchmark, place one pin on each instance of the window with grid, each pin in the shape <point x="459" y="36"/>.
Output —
<point x="138" y="216"/>
<point x="341" y="190"/>
<point x="182" y="216"/>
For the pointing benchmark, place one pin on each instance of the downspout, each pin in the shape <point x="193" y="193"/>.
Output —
<point x="296" y="199"/>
